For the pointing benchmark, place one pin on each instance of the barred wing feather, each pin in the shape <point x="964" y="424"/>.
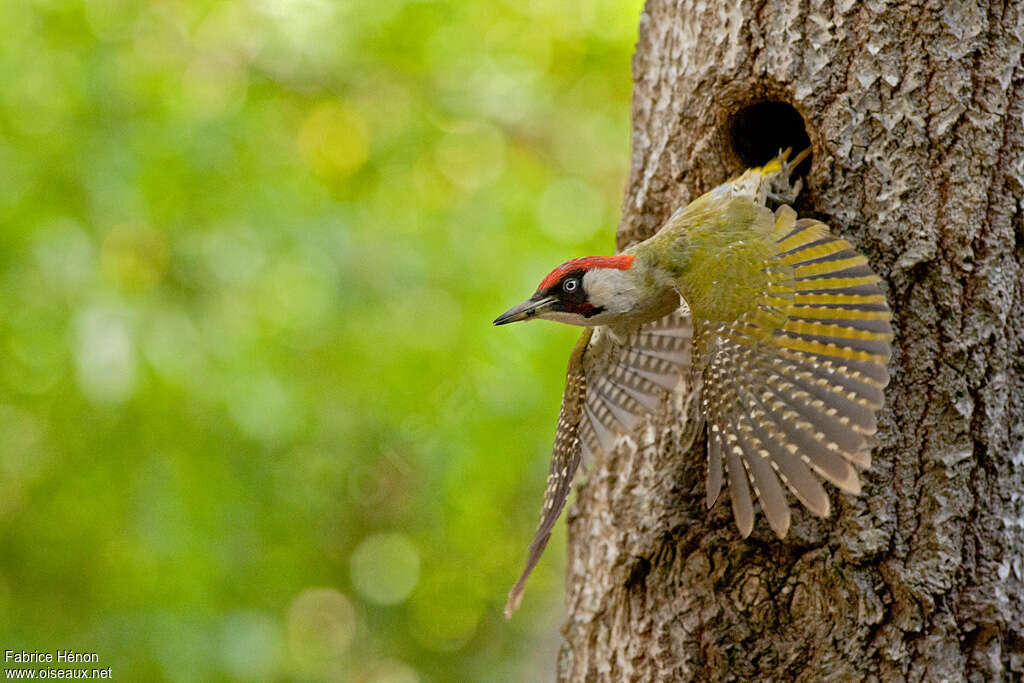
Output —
<point x="611" y="384"/>
<point x="565" y="459"/>
<point x="792" y="388"/>
<point x="626" y="381"/>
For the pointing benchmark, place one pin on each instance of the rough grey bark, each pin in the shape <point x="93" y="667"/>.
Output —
<point x="914" y="111"/>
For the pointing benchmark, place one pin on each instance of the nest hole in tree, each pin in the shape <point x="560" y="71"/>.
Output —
<point x="758" y="131"/>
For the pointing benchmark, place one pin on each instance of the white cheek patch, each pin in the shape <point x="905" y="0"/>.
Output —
<point x="610" y="289"/>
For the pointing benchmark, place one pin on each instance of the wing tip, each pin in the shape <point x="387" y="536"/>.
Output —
<point x="821" y="509"/>
<point x="850" y="484"/>
<point x="779" y="521"/>
<point x="515" y="599"/>
<point x="745" y="526"/>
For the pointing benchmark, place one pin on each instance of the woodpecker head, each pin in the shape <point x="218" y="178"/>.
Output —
<point x="588" y="291"/>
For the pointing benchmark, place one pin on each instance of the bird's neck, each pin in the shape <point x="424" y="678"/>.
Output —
<point x="714" y="257"/>
<point x="642" y="294"/>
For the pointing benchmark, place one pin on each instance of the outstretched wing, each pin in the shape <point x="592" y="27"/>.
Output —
<point x="565" y="459"/>
<point x="791" y="388"/>
<point x="611" y="384"/>
<point x="626" y="379"/>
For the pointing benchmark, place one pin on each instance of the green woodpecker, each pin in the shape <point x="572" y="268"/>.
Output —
<point x="775" y="331"/>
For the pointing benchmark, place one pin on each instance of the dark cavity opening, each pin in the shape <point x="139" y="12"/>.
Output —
<point x="760" y="130"/>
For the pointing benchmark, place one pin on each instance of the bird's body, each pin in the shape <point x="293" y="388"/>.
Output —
<point x="776" y="330"/>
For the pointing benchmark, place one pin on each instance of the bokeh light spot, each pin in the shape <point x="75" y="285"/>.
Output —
<point x="42" y="97"/>
<point x="35" y="357"/>
<point x="264" y="408"/>
<point x="173" y="346"/>
<point x="65" y="254"/>
<point x="445" y="612"/>
<point x="321" y="624"/>
<point x="390" y="671"/>
<point x="297" y="298"/>
<point x="134" y="257"/>
<point x="250" y="645"/>
<point x="386" y="568"/>
<point x="104" y="352"/>
<point x="234" y="253"/>
<point x="472" y="156"/>
<point x="301" y="23"/>
<point x="334" y="140"/>
<point x="21" y="458"/>
<point x="214" y="85"/>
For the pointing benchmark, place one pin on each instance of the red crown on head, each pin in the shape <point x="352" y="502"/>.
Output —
<point x="585" y="263"/>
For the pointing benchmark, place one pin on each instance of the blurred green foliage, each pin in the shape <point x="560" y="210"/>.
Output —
<point x="254" y="421"/>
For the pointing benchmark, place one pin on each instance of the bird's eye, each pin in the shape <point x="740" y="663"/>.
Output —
<point x="571" y="284"/>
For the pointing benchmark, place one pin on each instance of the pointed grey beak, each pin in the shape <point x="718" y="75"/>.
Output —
<point x="525" y="310"/>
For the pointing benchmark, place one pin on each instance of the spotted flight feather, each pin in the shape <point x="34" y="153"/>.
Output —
<point x="610" y="385"/>
<point x="791" y="388"/>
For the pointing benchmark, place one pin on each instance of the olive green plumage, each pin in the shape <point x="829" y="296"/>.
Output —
<point x="780" y="346"/>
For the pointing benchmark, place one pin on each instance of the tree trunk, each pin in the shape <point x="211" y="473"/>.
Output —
<point x="914" y="114"/>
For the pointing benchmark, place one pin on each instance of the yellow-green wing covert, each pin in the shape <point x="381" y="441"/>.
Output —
<point x="791" y="388"/>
